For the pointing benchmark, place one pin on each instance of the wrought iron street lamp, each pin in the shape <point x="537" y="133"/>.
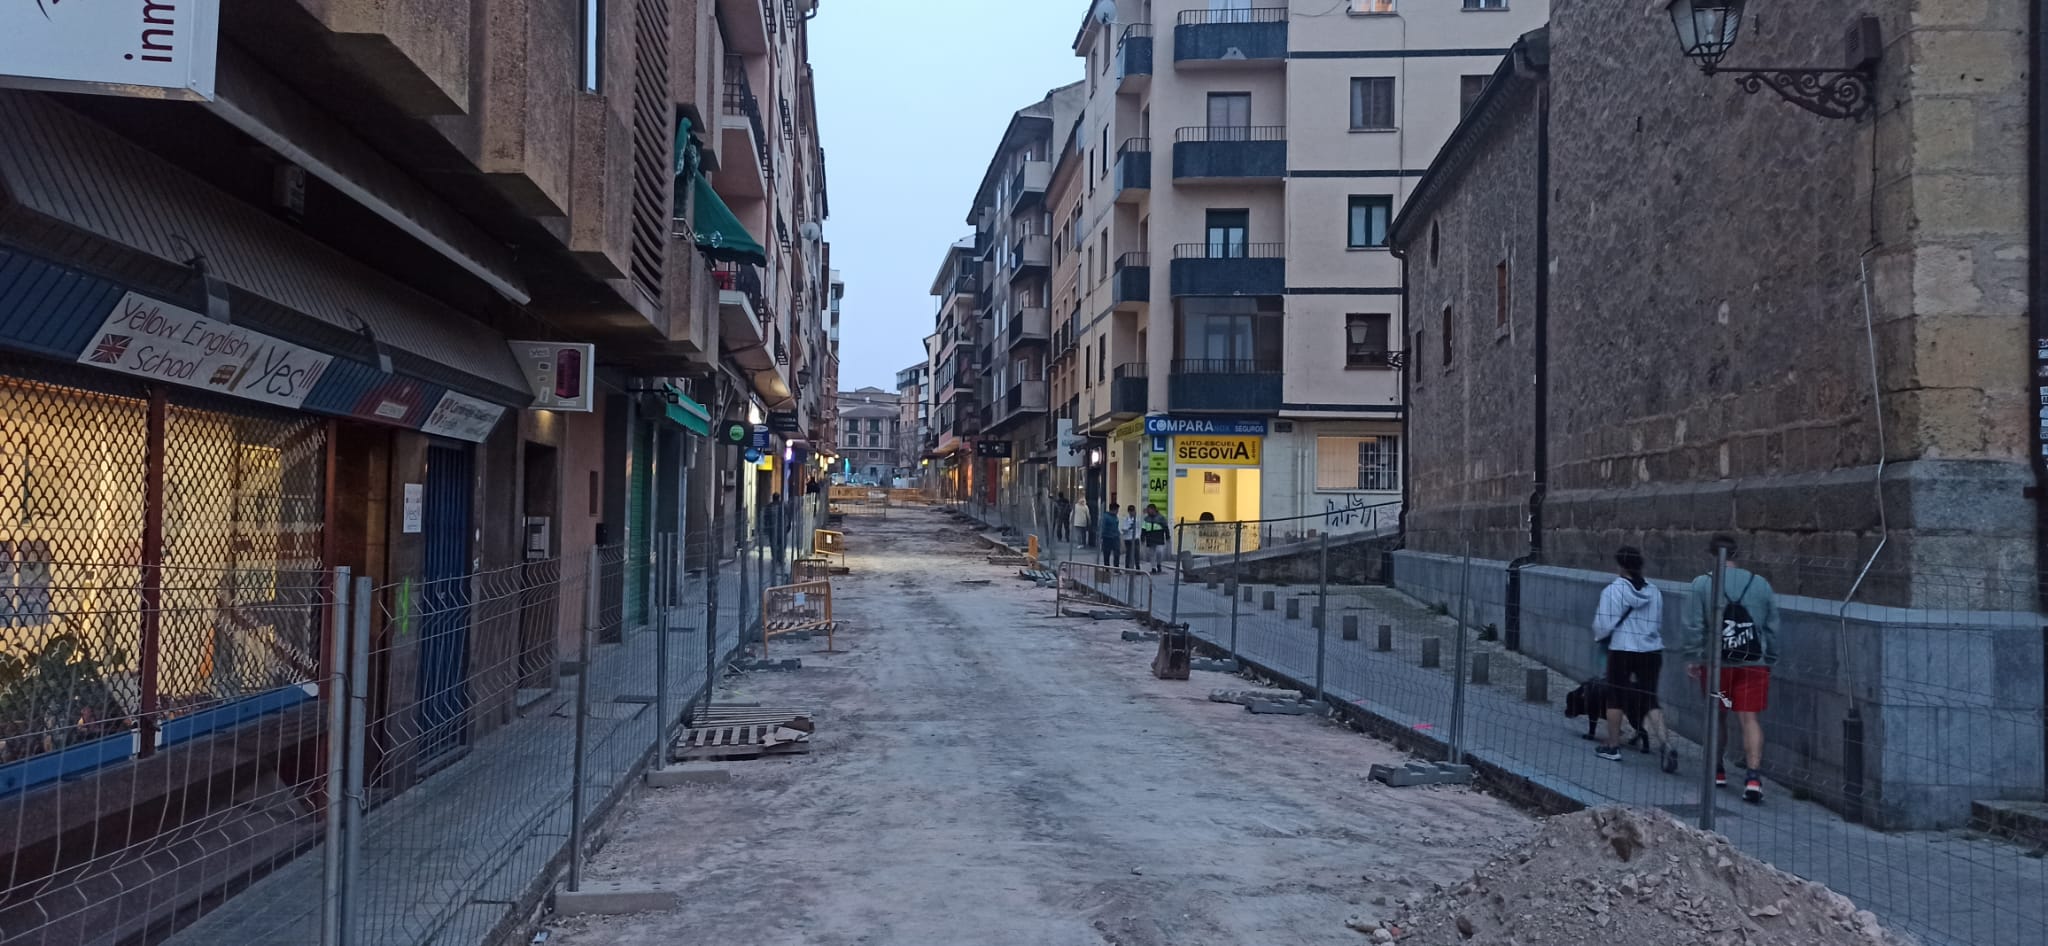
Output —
<point x="1707" y="30"/>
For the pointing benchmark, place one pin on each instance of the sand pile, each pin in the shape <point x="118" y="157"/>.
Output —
<point x="1617" y="875"/>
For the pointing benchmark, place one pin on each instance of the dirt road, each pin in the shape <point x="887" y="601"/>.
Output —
<point x="986" y="773"/>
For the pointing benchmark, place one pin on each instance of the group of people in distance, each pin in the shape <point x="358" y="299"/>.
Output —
<point x="1129" y="540"/>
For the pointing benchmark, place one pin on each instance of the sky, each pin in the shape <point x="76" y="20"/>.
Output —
<point x="913" y="96"/>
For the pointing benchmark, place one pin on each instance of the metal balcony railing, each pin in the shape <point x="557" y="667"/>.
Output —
<point x="1226" y="249"/>
<point x="1220" y="133"/>
<point x="1232" y="17"/>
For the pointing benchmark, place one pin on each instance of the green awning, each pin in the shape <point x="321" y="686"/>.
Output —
<point x="719" y="232"/>
<point x="687" y="413"/>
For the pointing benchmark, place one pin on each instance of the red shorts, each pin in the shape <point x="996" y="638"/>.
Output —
<point x="1748" y="689"/>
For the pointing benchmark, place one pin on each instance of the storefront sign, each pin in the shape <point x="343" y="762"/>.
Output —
<point x="1216" y="451"/>
<point x="1157" y="470"/>
<point x="414" y="516"/>
<point x="560" y="373"/>
<point x="992" y="449"/>
<point x="162" y="342"/>
<point x="462" y="417"/>
<point x="1128" y="430"/>
<point x="141" y="48"/>
<point x="1168" y="426"/>
<point x="784" y="422"/>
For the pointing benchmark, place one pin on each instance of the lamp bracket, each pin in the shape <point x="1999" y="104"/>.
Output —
<point x="1829" y="93"/>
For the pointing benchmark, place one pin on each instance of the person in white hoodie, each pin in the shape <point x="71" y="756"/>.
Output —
<point x="1628" y="627"/>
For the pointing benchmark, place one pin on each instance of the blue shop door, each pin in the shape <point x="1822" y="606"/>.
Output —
<point x="444" y="601"/>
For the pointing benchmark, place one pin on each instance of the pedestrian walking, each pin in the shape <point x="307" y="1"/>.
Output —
<point x="1154" y="529"/>
<point x="1129" y="532"/>
<point x="1110" y="532"/>
<point x="1628" y="627"/>
<point x="1081" y="521"/>
<point x="1747" y="621"/>
<point x="1061" y="509"/>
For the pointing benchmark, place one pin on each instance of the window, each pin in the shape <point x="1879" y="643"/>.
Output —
<point x="1500" y="295"/>
<point x="1227" y="230"/>
<point x="874" y="425"/>
<point x="1447" y="336"/>
<point x="1486" y="4"/>
<point x="593" y="45"/>
<point x="1365" y="340"/>
<point x="1102" y="359"/>
<point x="1434" y="234"/>
<point x="1230" y="116"/>
<point x="1372" y="103"/>
<point x="1105" y="149"/>
<point x="1363" y="7"/>
<point x="1359" y="463"/>
<point x="1469" y="88"/>
<point x="874" y="440"/>
<point x="1369" y="216"/>
<point x="1087" y="365"/>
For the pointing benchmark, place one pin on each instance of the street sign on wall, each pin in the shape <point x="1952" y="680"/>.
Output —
<point x="560" y="374"/>
<point x="137" y="48"/>
<point x="463" y="418"/>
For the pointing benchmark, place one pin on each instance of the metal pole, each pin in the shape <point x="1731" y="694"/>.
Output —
<point x="1174" y="618"/>
<point x="714" y="552"/>
<point x="1322" y="617"/>
<point x="590" y="612"/>
<point x="665" y="590"/>
<point x="1710" y="639"/>
<point x="1236" y="582"/>
<point x="1458" y="660"/>
<point x="358" y="741"/>
<point x="337" y="724"/>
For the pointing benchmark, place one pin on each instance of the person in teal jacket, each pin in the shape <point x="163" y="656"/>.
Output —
<point x="1110" y="530"/>
<point x="1747" y="622"/>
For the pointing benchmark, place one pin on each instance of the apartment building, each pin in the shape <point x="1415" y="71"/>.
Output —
<point x="953" y="365"/>
<point x="914" y="417"/>
<point x="1240" y="331"/>
<point x="870" y="424"/>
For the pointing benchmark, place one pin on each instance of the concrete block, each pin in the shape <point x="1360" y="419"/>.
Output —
<point x="709" y="774"/>
<point x="1140" y="636"/>
<point x="1421" y="773"/>
<point x="1266" y="602"/>
<point x="1385" y="643"/>
<point x="614" y="899"/>
<point x="1215" y="666"/>
<point x="1209" y="585"/>
<point x="1536" y="685"/>
<point x="1266" y="708"/>
<point x="1482" y="671"/>
<point x="1432" y="652"/>
<point x="1351" y="627"/>
<point x="754" y="665"/>
<point x="1293" y="608"/>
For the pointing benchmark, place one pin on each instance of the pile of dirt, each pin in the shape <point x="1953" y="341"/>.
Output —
<point x="1619" y="875"/>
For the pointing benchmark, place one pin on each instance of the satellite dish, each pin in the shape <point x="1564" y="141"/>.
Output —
<point x="810" y="231"/>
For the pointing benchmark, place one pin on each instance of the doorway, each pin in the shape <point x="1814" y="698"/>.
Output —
<point x="444" y="599"/>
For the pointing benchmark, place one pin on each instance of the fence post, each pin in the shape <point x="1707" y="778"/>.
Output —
<point x="358" y="743"/>
<point x="1322" y="608"/>
<point x="664" y="564"/>
<point x="1710" y="754"/>
<point x="590" y="615"/>
<point x="1237" y="581"/>
<point x="1174" y="618"/>
<point x="337" y="725"/>
<point x="1458" y="659"/>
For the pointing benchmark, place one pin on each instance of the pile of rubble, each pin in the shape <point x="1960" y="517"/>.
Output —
<point x="1618" y="875"/>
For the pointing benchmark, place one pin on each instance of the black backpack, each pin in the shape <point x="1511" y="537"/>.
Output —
<point x="1740" y="642"/>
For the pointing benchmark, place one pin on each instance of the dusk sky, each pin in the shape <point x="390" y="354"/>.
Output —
<point x="912" y="96"/>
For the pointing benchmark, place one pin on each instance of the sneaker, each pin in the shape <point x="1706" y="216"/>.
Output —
<point x="1670" y="759"/>
<point x="1610" y="753"/>
<point x="1720" y="778"/>
<point x="1753" y="788"/>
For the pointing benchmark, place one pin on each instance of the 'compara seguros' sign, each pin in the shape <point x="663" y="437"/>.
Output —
<point x="138" y="48"/>
<point x="1216" y="451"/>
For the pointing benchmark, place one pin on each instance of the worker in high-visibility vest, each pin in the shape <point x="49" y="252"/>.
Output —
<point x="1153" y="531"/>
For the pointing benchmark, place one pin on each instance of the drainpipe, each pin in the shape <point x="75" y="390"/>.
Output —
<point x="1511" y="633"/>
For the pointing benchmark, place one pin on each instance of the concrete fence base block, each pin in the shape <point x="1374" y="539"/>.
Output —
<point x="1215" y="666"/>
<point x="1266" y="602"/>
<point x="1255" y="695"/>
<point x="688" y="775"/>
<point x="609" y="899"/>
<point x="753" y="665"/>
<point x="1385" y="642"/>
<point x="1351" y="627"/>
<point x="1422" y="773"/>
<point x="1536" y="685"/>
<point x="1482" y="671"/>
<point x="1267" y="708"/>
<point x="1432" y="652"/>
<point x="1140" y="636"/>
<point x="1293" y="608"/>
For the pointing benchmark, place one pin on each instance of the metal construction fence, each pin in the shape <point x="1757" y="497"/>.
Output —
<point x="1903" y="752"/>
<point x="333" y="759"/>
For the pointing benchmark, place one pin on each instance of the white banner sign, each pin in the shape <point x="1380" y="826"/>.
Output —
<point x="560" y="372"/>
<point x="162" y="342"/>
<point x="143" y="48"/>
<point x="463" y="418"/>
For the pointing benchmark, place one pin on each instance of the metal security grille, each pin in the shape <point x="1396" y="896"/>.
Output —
<point x="654" y="138"/>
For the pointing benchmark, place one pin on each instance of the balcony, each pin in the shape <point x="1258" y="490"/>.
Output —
<point x="1130" y="390"/>
<point x="745" y="24"/>
<point x="1024" y="397"/>
<point x="742" y="310"/>
<point x="743" y="138"/>
<point x="1239" y="385"/>
<point x="1132" y="281"/>
<point x="1240" y="37"/>
<point x="967" y="281"/>
<point x="1229" y="269"/>
<point x="1029" y="184"/>
<point x="1033" y="255"/>
<point x="1134" y="58"/>
<point x="1230" y="153"/>
<point x="1133" y="170"/>
<point x="1029" y="325"/>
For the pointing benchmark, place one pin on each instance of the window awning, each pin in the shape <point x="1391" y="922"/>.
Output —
<point x="719" y="233"/>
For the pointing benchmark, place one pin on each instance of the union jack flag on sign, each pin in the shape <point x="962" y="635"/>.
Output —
<point x="111" y="348"/>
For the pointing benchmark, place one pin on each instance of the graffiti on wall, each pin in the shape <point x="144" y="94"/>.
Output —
<point x="1351" y="510"/>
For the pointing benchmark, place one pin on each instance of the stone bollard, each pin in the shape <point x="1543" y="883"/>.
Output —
<point x="1293" y="608"/>
<point x="1229" y="587"/>
<point x="1351" y="627"/>
<point x="1432" y="652"/>
<point x="1209" y="585"/>
<point x="1536" y="685"/>
<point x="1316" y="618"/>
<point x="1266" y="602"/>
<point x="1248" y="594"/>
<point x="1386" y="640"/>
<point x="1482" y="670"/>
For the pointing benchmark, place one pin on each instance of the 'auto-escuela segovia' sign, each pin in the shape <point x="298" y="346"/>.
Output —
<point x="162" y="342"/>
<point x="1167" y="426"/>
<point x="1216" y="451"/>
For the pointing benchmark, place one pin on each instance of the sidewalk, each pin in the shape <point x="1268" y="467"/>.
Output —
<point x="454" y="859"/>
<point x="1948" y="888"/>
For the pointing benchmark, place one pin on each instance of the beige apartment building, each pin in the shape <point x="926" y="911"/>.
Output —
<point x="1238" y="340"/>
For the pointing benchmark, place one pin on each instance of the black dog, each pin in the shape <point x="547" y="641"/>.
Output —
<point x="1592" y="699"/>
